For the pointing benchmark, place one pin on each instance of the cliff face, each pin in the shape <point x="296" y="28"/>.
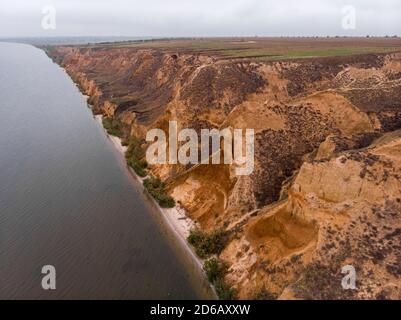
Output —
<point x="343" y="210"/>
<point x="326" y="187"/>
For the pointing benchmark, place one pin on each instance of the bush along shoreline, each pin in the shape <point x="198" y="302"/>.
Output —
<point x="212" y="244"/>
<point x="135" y="157"/>
<point x="204" y="244"/>
<point x="207" y="246"/>
<point x="157" y="189"/>
<point x="215" y="271"/>
<point x="113" y="127"/>
<point x="134" y="154"/>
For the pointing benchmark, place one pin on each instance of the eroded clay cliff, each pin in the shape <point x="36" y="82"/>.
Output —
<point x="326" y="189"/>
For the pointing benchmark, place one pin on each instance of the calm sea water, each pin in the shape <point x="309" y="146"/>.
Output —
<point x="67" y="200"/>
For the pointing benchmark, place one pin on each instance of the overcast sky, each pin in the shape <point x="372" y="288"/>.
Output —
<point x="198" y="18"/>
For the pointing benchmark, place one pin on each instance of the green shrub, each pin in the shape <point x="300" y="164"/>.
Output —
<point x="215" y="271"/>
<point x="153" y="184"/>
<point x="138" y="168"/>
<point x="134" y="148"/>
<point x="113" y="127"/>
<point x="224" y="291"/>
<point x="157" y="189"/>
<point x="166" y="201"/>
<point x="206" y="244"/>
<point x="195" y="237"/>
<point x="134" y="155"/>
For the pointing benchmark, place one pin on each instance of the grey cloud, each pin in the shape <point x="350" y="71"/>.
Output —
<point x="199" y="18"/>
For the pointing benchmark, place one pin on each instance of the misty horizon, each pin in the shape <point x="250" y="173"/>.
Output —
<point x="182" y="19"/>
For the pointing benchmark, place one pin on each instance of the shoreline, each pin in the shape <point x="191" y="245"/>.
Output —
<point x="174" y="222"/>
<point x="174" y="218"/>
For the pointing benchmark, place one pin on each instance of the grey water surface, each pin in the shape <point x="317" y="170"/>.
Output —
<point x="67" y="200"/>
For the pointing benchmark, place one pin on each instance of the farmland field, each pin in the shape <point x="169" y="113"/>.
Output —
<point x="266" y="49"/>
